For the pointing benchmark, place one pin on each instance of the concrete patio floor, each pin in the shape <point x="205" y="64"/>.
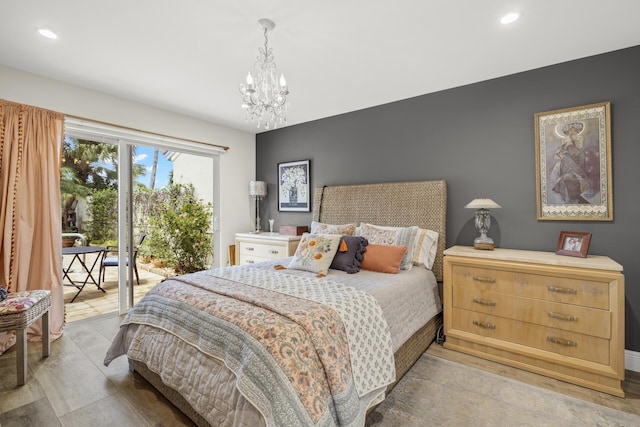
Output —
<point x="93" y="302"/>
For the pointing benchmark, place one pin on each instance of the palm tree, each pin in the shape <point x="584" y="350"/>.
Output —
<point x="88" y="166"/>
<point x="93" y="165"/>
<point x="154" y="168"/>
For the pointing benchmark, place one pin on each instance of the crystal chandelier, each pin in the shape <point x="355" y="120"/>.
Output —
<point x="264" y="96"/>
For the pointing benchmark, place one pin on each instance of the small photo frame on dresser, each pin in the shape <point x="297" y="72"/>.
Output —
<point x="573" y="243"/>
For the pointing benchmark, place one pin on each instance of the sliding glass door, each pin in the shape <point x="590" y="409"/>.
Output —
<point x="141" y="192"/>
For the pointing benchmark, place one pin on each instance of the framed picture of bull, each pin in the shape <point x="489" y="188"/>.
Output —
<point x="573" y="164"/>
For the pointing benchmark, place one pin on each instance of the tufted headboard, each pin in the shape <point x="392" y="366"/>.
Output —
<point x="399" y="204"/>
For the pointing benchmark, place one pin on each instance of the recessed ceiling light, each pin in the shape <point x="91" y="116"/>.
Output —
<point x="46" y="32"/>
<point x="509" y="18"/>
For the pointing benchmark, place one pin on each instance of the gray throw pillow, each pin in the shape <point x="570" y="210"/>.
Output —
<point x="349" y="260"/>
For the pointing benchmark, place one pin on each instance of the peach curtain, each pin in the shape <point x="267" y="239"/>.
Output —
<point x="30" y="214"/>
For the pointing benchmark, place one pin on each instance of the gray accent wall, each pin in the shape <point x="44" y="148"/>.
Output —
<point x="480" y="139"/>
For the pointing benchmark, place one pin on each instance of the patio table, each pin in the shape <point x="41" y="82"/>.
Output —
<point x="76" y="251"/>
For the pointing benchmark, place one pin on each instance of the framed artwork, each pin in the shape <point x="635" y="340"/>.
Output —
<point x="573" y="164"/>
<point x="293" y="186"/>
<point x="573" y="244"/>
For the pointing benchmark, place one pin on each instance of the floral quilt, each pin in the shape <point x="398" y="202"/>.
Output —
<point x="306" y="351"/>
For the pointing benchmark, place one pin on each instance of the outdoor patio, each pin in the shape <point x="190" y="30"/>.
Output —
<point x="93" y="302"/>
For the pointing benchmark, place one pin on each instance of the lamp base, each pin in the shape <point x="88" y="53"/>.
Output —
<point x="484" y="246"/>
<point x="483" y="242"/>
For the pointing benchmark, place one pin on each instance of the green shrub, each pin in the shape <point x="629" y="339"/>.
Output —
<point x="103" y="211"/>
<point x="180" y="228"/>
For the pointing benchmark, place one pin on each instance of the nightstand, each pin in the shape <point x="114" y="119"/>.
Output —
<point x="256" y="247"/>
<point x="554" y="315"/>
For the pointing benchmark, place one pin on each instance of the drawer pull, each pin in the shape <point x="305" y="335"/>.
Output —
<point x="484" y="279"/>
<point x="485" y="325"/>
<point x="562" y="316"/>
<point x="250" y="248"/>
<point x="273" y="251"/>
<point x="562" y="290"/>
<point x="250" y="261"/>
<point x="484" y="302"/>
<point x="562" y="341"/>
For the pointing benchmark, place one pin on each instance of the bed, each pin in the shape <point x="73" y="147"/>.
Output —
<point x="210" y="376"/>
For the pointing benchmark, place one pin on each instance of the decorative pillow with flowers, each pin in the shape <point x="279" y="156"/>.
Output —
<point x="322" y="228"/>
<point x="315" y="252"/>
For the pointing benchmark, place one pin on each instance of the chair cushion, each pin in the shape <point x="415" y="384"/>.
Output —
<point x="21" y="301"/>
<point x="112" y="262"/>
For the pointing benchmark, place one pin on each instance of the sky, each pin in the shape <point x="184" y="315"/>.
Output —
<point x="144" y="156"/>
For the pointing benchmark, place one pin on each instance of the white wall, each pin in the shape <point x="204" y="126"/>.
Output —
<point x="196" y="170"/>
<point x="237" y="165"/>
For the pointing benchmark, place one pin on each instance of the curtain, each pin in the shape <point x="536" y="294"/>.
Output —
<point x="30" y="213"/>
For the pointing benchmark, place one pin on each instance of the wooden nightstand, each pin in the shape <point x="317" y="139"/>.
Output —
<point x="256" y="247"/>
<point x="555" y="315"/>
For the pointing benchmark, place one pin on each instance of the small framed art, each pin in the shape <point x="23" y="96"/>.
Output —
<point x="293" y="186"/>
<point x="573" y="244"/>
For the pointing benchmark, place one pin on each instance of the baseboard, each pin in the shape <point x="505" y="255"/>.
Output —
<point x="632" y="360"/>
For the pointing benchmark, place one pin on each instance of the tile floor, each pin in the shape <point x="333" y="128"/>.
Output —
<point x="72" y="387"/>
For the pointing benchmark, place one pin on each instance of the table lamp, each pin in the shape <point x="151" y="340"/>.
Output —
<point x="483" y="222"/>
<point x="257" y="190"/>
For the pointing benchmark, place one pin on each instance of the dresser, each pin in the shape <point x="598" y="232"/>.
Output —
<point x="554" y="315"/>
<point x="256" y="247"/>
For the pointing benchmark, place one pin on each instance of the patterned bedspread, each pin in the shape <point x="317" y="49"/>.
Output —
<point x="305" y="351"/>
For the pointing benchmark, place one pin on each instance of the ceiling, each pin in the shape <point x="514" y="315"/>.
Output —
<point x="190" y="56"/>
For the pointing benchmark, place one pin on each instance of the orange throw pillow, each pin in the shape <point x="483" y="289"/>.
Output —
<point x="383" y="258"/>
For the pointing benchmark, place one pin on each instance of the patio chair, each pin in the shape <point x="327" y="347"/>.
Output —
<point x="112" y="261"/>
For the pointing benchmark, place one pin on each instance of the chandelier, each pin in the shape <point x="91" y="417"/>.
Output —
<point x="264" y="96"/>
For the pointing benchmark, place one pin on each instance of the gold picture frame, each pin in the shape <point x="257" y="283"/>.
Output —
<point x="573" y="164"/>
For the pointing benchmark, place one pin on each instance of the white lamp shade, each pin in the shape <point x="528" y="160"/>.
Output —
<point x="482" y="204"/>
<point x="257" y="188"/>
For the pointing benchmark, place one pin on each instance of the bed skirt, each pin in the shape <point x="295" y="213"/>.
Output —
<point x="405" y="357"/>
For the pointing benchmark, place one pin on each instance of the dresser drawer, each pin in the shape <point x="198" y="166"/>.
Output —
<point x="256" y="247"/>
<point x="586" y="293"/>
<point x="549" y="314"/>
<point x="558" y="341"/>
<point x="250" y="259"/>
<point x="572" y="318"/>
<point x="257" y="250"/>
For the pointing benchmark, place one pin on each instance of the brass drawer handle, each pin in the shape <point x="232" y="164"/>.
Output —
<point x="562" y="290"/>
<point x="562" y="316"/>
<point x="562" y="341"/>
<point x="484" y="279"/>
<point x="485" y="325"/>
<point x="484" y="302"/>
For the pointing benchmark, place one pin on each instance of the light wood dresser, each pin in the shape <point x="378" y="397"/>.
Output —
<point x="555" y="315"/>
<point x="256" y="247"/>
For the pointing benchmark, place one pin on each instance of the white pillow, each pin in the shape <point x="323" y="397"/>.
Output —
<point x="315" y="252"/>
<point x="426" y="248"/>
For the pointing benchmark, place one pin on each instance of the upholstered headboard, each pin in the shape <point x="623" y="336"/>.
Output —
<point x="401" y="204"/>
